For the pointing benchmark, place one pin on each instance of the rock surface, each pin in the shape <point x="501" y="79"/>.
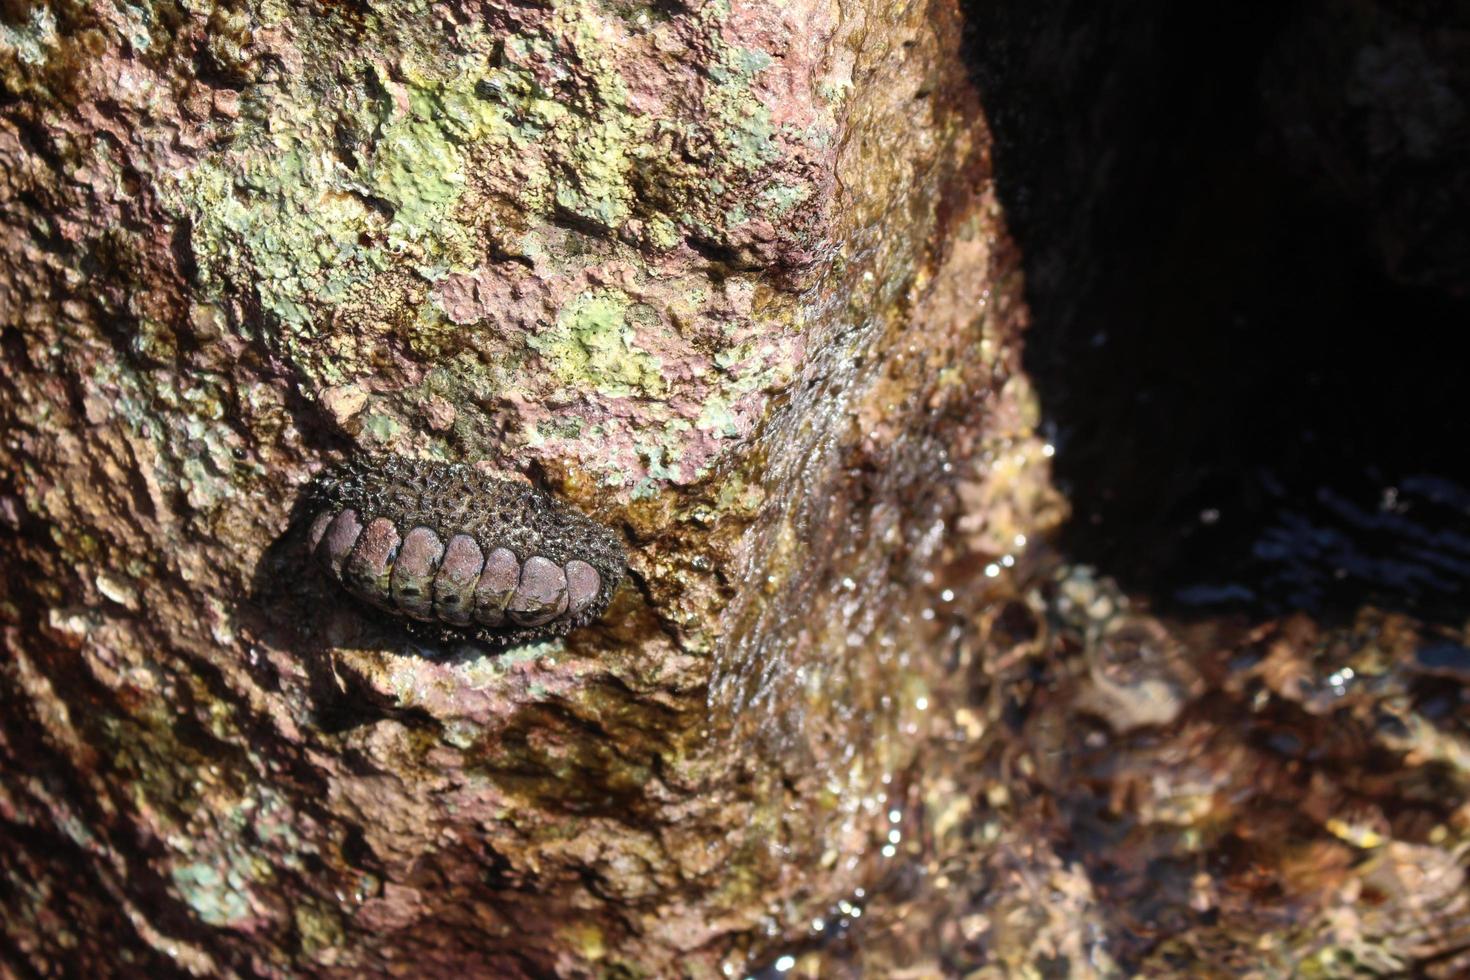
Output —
<point x="1301" y="812"/>
<point x="727" y="276"/>
<point x="733" y="278"/>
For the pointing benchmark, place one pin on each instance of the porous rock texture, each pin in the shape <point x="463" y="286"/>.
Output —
<point x="728" y="276"/>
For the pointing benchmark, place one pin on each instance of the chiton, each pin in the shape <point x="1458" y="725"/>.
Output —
<point x="458" y="554"/>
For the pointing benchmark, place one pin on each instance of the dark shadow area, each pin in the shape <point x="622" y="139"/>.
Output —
<point x="1246" y="233"/>
<point x="292" y="606"/>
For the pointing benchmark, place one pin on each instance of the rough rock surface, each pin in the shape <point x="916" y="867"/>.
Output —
<point x="729" y="276"/>
<point x="1214" y="800"/>
<point x="733" y="278"/>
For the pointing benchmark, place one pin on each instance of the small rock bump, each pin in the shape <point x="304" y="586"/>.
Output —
<point x="583" y="584"/>
<point x="336" y="544"/>
<point x="541" y="595"/>
<point x="368" y="569"/>
<point x="454" y="586"/>
<point x="497" y="584"/>
<point x="413" y="572"/>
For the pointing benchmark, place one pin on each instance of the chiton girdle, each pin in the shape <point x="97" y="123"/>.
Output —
<point x="457" y="554"/>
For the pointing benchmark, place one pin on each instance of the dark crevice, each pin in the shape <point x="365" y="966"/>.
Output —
<point x="1241" y="245"/>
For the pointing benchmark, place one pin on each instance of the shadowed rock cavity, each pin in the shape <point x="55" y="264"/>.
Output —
<point x="1243" y="229"/>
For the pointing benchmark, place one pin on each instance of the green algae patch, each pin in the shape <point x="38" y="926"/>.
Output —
<point x="283" y="213"/>
<point x="309" y="225"/>
<point x="595" y="184"/>
<point x="598" y="155"/>
<point x="419" y="169"/>
<point x="318" y="927"/>
<point x="715" y="416"/>
<point x="586" y="938"/>
<point x="745" y="132"/>
<point x="354" y="170"/>
<point x="778" y="199"/>
<point x="216" y="898"/>
<point x="33" y="40"/>
<point x="383" y="428"/>
<point x="592" y="345"/>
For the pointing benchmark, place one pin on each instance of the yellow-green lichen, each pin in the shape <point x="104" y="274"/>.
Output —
<point x="715" y="416"/>
<point x="319" y="927"/>
<point x="592" y="345"/>
<point x="216" y="898"/>
<point x="32" y="40"/>
<point x="778" y="199"/>
<point x="596" y="185"/>
<point x="287" y="216"/>
<point x="599" y="159"/>
<point x="309" y="223"/>
<point x="417" y="166"/>
<point x="354" y="169"/>
<point x="382" y="428"/>
<point x="663" y="234"/>
<point x="586" y="938"/>
<point x="746" y="134"/>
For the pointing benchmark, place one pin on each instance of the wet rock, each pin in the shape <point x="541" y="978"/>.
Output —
<point x="731" y="279"/>
<point x="1137" y="675"/>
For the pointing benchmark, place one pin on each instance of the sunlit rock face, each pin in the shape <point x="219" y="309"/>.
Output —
<point x="729" y="279"/>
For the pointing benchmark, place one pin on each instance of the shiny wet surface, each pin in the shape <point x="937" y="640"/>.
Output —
<point x="1227" y="731"/>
